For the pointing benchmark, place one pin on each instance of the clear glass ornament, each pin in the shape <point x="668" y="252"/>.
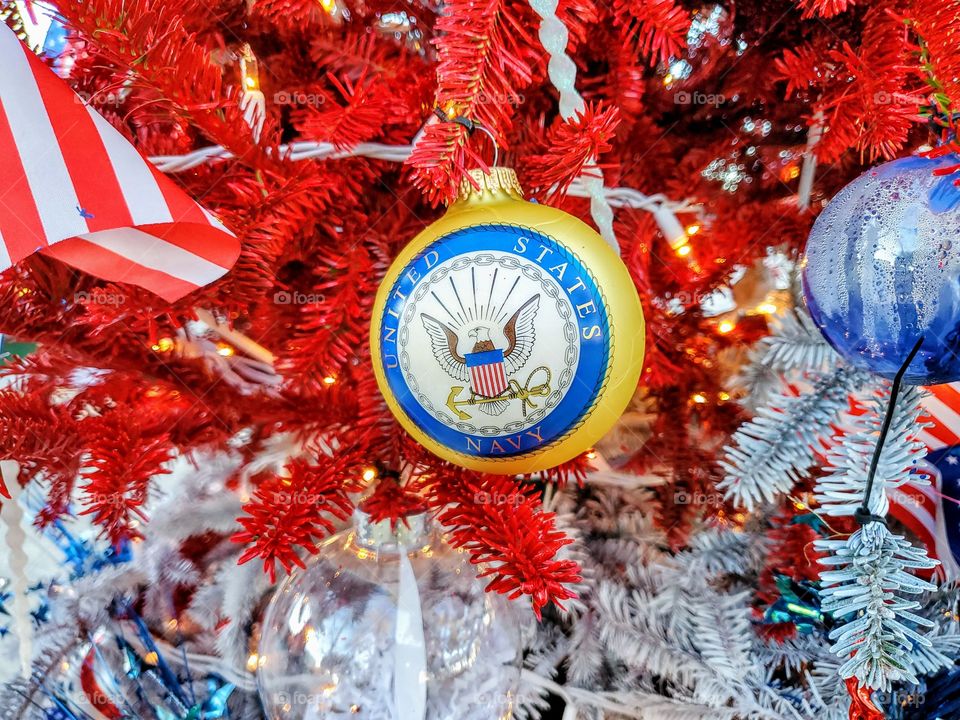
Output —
<point x="388" y="624"/>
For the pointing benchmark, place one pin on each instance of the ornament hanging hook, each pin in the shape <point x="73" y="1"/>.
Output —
<point x="471" y="125"/>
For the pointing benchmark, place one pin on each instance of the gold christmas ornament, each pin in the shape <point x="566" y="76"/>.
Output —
<point x="507" y="337"/>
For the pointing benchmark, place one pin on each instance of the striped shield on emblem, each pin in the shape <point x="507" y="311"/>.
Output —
<point x="486" y="372"/>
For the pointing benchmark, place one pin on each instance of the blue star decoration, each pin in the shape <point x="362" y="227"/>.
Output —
<point x="41" y="614"/>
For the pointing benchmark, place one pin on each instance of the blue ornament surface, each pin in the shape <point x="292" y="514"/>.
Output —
<point x="461" y="314"/>
<point x="881" y="269"/>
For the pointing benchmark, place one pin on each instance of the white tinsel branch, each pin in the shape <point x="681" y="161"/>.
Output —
<point x="841" y="490"/>
<point x="867" y="591"/>
<point x="774" y="450"/>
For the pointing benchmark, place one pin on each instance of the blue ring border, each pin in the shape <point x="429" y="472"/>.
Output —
<point x="594" y="353"/>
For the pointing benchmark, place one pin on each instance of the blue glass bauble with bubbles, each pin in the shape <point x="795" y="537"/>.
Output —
<point x="882" y="268"/>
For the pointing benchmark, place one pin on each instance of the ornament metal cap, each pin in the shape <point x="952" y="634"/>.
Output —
<point x="500" y="181"/>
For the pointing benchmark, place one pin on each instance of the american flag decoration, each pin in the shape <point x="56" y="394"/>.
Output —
<point x="932" y="512"/>
<point x="73" y="188"/>
<point x="487" y="376"/>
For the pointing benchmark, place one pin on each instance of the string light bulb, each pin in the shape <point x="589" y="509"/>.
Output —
<point x="670" y="227"/>
<point x="329" y="380"/>
<point x="225" y="350"/>
<point x="725" y="326"/>
<point x="164" y="344"/>
<point x="249" y="68"/>
<point x="369" y="474"/>
<point x="699" y="398"/>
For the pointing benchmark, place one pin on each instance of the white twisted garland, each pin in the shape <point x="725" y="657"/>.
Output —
<point x="11" y="514"/>
<point x="563" y="75"/>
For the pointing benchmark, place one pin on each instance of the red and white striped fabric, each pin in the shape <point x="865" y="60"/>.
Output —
<point x="921" y="508"/>
<point x="72" y="187"/>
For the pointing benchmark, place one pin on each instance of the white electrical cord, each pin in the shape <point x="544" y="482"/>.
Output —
<point x="621" y="197"/>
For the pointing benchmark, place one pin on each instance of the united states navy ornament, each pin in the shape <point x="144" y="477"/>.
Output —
<point x="507" y="337"/>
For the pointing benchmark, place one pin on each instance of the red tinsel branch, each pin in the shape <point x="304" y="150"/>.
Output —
<point x="654" y="29"/>
<point x="502" y="524"/>
<point x="824" y="8"/>
<point x="485" y="60"/>
<point x="288" y="514"/>
<point x="570" y="146"/>
<point x="122" y="462"/>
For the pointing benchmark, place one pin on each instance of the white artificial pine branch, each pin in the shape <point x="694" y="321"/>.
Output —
<point x="774" y="450"/>
<point x="796" y="344"/>
<point x="841" y="490"/>
<point x="722" y="625"/>
<point x="867" y="592"/>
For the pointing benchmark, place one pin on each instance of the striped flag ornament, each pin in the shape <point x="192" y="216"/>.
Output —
<point x="487" y="376"/>
<point x="73" y="188"/>
<point x="932" y="512"/>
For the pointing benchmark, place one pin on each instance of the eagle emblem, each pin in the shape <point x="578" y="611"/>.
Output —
<point x="487" y="368"/>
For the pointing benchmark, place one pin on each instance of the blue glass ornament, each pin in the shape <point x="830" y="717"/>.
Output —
<point x="881" y="269"/>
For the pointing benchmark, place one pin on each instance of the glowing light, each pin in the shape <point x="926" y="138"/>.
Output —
<point x="723" y="396"/>
<point x="249" y="68"/>
<point x="693" y="229"/>
<point x="329" y="380"/>
<point x="668" y="78"/>
<point x="793" y="172"/>
<point x="725" y="327"/>
<point x="151" y="658"/>
<point x="164" y="345"/>
<point x="329" y="6"/>
<point x="592" y="455"/>
<point x="225" y="350"/>
<point x="684" y="250"/>
<point x="699" y="398"/>
<point x="369" y="474"/>
<point x="450" y="111"/>
<point x="23" y="291"/>
<point x="253" y="662"/>
<point x="767" y="308"/>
